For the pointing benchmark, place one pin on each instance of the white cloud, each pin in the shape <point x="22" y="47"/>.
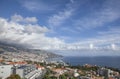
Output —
<point x="32" y="35"/>
<point x="61" y="16"/>
<point x="99" y="21"/>
<point x="72" y="1"/>
<point x="35" y="5"/>
<point x="113" y="46"/>
<point x="105" y="40"/>
<point x="35" y="29"/>
<point x="19" y="18"/>
<point x="31" y="5"/>
<point x="91" y="46"/>
<point x="108" y="13"/>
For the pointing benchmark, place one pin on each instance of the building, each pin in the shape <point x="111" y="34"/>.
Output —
<point x="6" y="71"/>
<point x="76" y="74"/>
<point x="105" y="72"/>
<point x="40" y="67"/>
<point x="59" y="71"/>
<point x="1" y="60"/>
<point x="84" y="77"/>
<point x="27" y="71"/>
<point x="24" y="70"/>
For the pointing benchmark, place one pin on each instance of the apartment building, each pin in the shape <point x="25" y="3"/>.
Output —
<point x="5" y="71"/>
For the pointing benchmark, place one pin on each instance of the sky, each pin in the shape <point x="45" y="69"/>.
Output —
<point x="61" y="24"/>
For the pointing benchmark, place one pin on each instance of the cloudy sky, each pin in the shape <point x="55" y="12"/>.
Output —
<point x="61" y="24"/>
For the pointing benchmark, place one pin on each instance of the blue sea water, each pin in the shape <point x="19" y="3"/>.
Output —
<point x="103" y="58"/>
<point x="108" y="61"/>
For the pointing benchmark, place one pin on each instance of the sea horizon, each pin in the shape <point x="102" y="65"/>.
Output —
<point x="109" y="61"/>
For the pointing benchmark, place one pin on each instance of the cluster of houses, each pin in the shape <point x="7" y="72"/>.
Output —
<point x="100" y="73"/>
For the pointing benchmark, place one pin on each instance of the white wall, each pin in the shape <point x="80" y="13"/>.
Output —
<point x="5" y="71"/>
<point x="20" y="72"/>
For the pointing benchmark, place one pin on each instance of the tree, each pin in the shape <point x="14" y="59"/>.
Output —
<point x="53" y="77"/>
<point x="62" y="77"/>
<point x="14" y="76"/>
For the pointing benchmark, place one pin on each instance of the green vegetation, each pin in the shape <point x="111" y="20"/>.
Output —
<point x="82" y="70"/>
<point x="39" y="63"/>
<point x="47" y="75"/>
<point x="59" y="66"/>
<point x="94" y="68"/>
<point x="62" y="77"/>
<point x="13" y="76"/>
<point x="114" y="69"/>
<point x="67" y="76"/>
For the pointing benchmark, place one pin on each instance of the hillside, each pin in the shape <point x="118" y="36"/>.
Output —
<point x="10" y="51"/>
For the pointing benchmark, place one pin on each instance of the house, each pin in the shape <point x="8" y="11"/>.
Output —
<point x="59" y="71"/>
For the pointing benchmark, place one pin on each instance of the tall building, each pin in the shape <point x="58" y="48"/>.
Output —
<point x="25" y="70"/>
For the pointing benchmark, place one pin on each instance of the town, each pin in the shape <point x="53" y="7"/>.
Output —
<point x="21" y="63"/>
<point x="19" y="68"/>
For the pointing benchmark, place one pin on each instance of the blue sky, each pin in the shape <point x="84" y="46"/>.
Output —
<point x="61" y="24"/>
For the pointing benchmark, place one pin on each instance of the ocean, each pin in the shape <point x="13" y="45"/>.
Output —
<point x="101" y="58"/>
<point x="108" y="61"/>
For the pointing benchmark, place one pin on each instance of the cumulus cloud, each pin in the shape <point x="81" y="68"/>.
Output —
<point x="105" y="40"/>
<point x="33" y="35"/>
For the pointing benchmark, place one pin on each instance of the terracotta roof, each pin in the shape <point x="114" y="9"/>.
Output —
<point x="38" y="66"/>
<point x="20" y="62"/>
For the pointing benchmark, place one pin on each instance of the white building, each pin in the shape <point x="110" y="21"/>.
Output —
<point x="27" y="71"/>
<point x="5" y="71"/>
<point x="24" y="70"/>
<point x="76" y="74"/>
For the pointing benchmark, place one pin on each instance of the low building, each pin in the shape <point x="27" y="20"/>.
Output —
<point x="40" y="67"/>
<point x="59" y="71"/>
<point x="76" y="74"/>
<point x="84" y="77"/>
